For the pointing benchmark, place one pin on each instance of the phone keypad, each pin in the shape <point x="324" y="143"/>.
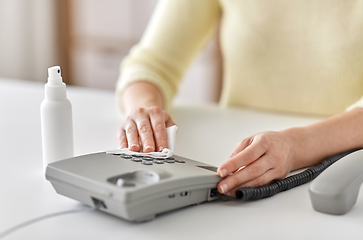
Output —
<point x="147" y="160"/>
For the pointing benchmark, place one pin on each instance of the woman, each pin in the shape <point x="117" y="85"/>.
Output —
<point x="302" y="56"/>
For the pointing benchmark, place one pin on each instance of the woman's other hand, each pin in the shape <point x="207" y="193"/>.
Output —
<point x="256" y="161"/>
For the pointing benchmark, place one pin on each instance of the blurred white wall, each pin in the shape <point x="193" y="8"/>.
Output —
<point x="104" y="31"/>
<point x="28" y="38"/>
<point x="101" y="34"/>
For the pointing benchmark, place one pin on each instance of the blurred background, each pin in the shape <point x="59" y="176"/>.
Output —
<point x="89" y="39"/>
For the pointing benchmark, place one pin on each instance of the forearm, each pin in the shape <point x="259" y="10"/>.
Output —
<point x="337" y="134"/>
<point x="140" y="94"/>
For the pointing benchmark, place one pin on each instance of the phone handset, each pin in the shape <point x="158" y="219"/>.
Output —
<point x="335" y="191"/>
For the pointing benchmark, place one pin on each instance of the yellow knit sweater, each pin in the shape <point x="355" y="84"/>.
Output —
<point x="302" y="56"/>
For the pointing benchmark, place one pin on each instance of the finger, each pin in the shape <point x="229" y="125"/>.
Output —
<point x="157" y="117"/>
<point x="260" y="181"/>
<point x="249" y="173"/>
<point x="121" y="136"/>
<point x="132" y="136"/>
<point x="146" y="135"/>
<point x="241" y="146"/>
<point x="266" y="178"/>
<point x="243" y="158"/>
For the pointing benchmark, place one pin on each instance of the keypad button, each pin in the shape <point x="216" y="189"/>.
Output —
<point x="125" y="156"/>
<point x="136" y="159"/>
<point x="147" y="158"/>
<point x="147" y="162"/>
<point x="159" y="161"/>
<point x="171" y="158"/>
<point x="170" y="161"/>
<point x="179" y="161"/>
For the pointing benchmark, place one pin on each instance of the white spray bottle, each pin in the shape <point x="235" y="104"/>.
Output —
<point x="56" y="120"/>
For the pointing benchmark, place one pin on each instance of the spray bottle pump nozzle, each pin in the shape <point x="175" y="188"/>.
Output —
<point x="54" y="76"/>
<point x="55" y="89"/>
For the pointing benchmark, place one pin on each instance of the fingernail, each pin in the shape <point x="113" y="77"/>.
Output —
<point x="133" y="146"/>
<point x="161" y="149"/>
<point x="147" y="149"/>
<point x="223" y="172"/>
<point x="224" y="187"/>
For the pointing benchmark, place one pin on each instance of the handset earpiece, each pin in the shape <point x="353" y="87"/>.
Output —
<point x="335" y="191"/>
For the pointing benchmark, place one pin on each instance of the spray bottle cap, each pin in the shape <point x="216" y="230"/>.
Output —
<point x="55" y="89"/>
<point x="54" y="76"/>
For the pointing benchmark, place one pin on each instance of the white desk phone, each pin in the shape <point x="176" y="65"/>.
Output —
<point x="137" y="186"/>
<point x="134" y="188"/>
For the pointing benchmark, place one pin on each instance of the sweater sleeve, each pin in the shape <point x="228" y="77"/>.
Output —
<point x="177" y="31"/>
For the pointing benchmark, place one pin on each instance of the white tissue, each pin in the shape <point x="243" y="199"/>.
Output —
<point x="166" y="153"/>
<point x="171" y="133"/>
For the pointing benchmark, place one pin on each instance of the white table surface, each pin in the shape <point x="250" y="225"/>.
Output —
<point x="206" y="133"/>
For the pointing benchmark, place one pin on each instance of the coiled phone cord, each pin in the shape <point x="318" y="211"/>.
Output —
<point x="277" y="186"/>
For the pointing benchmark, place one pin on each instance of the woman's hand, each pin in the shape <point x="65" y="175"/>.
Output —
<point x="256" y="161"/>
<point x="267" y="156"/>
<point x="146" y="128"/>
